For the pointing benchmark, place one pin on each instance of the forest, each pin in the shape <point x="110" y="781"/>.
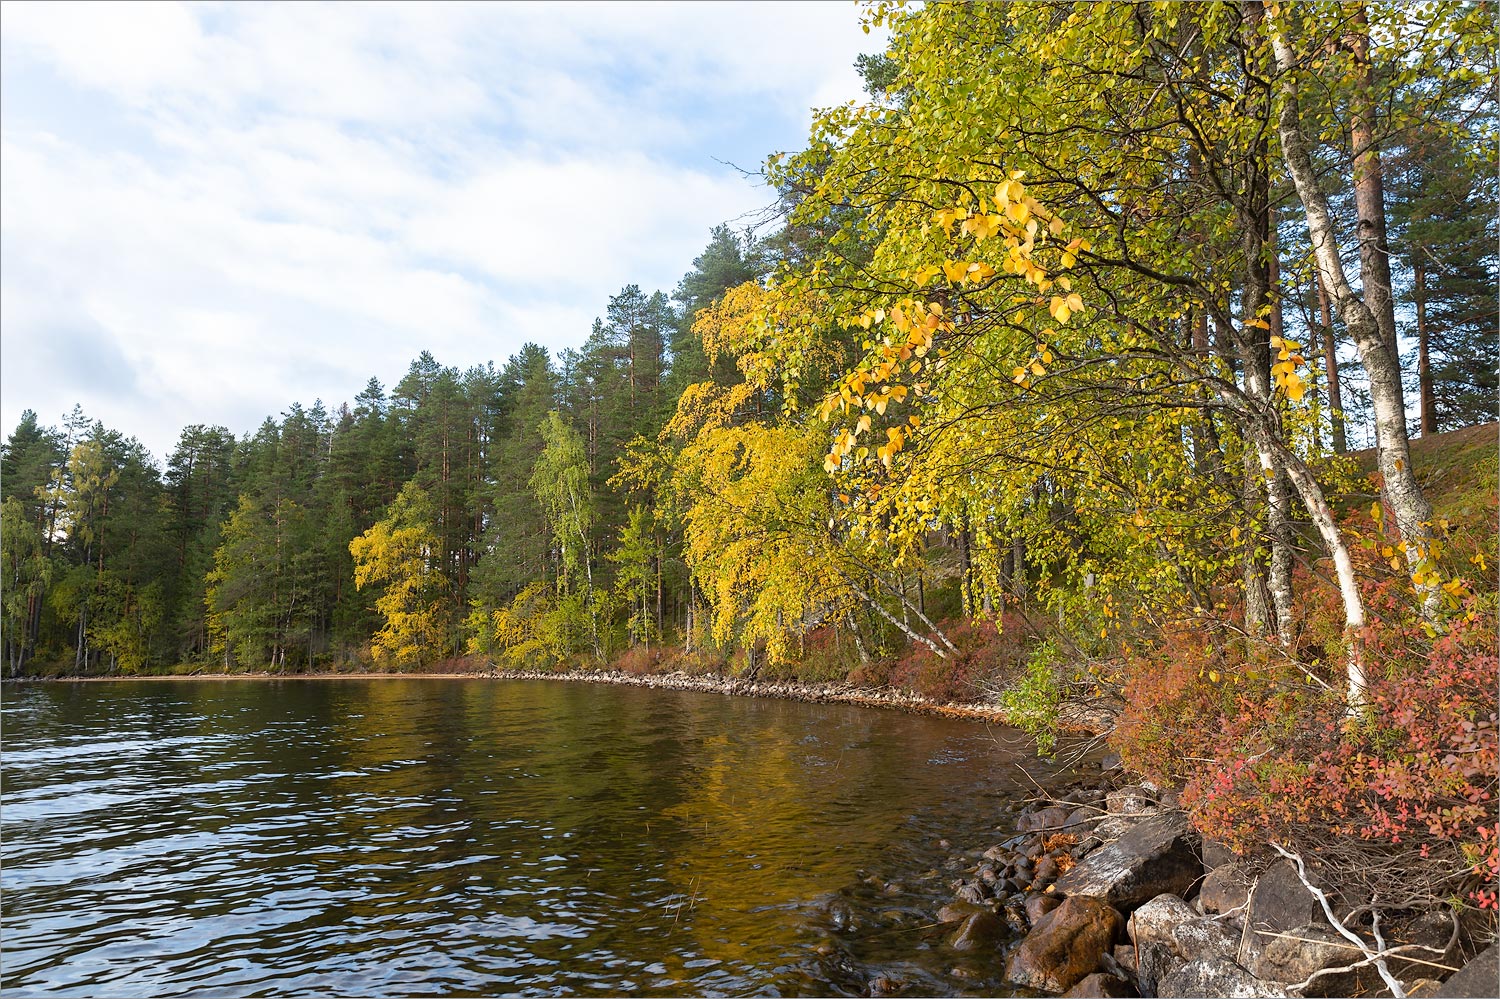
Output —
<point x="1042" y="375"/>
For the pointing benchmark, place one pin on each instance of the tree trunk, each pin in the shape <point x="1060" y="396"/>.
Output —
<point x="1259" y="324"/>
<point x="1331" y="366"/>
<point x="1257" y="594"/>
<point x="1400" y="488"/>
<point x="1424" y="361"/>
<point x="1369" y="185"/>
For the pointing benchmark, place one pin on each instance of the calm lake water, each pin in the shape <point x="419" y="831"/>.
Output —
<point x="450" y="837"/>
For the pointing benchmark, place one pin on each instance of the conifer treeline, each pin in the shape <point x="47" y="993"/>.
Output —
<point x="239" y="553"/>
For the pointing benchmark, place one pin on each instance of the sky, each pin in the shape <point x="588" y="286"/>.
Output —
<point x="209" y="212"/>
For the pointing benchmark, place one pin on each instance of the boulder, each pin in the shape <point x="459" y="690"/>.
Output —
<point x="1154" y="921"/>
<point x="1080" y="818"/>
<point x="1016" y="920"/>
<point x="1225" y="888"/>
<point x="1216" y="854"/>
<point x="1158" y="855"/>
<point x="1129" y="800"/>
<point x="1303" y="951"/>
<point x="957" y="912"/>
<point x="1052" y="817"/>
<point x="1279" y="903"/>
<point x="1038" y="904"/>
<point x="1214" y="976"/>
<point x="1115" y="826"/>
<point x="1101" y="986"/>
<point x="1154" y="961"/>
<point x="1065" y="946"/>
<point x="1480" y="977"/>
<point x="1046" y="872"/>
<point x="1435" y="929"/>
<point x="979" y="929"/>
<point x="1202" y="938"/>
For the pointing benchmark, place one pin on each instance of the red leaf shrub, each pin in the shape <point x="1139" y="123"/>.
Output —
<point x="1414" y="777"/>
<point x="985" y="654"/>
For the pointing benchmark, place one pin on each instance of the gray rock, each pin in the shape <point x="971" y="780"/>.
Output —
<point x="1202" y="938"/>
<point x="1154" y="961"/>
<point x="972" y="891"/>
<point x="1280" y="901"/>
<point x="1154" y="921"/>
<point x="1214" y="976"/>
<point x="1129" y="800"/>
<point x="1115" y="826"/>
<point x="1433" y="929"/>
<point x="1303" y="951"/>
<point x="1225" y="888"/>
<point x="1158" y="855"/>
<point x="1480" y="977"/>
<point x="1216" y="854"/>
<point x="1052" y="817"/>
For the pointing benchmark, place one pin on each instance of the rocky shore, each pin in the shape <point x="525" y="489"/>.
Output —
<point x="809" y="693"/>
<point x="1106" y="890"/>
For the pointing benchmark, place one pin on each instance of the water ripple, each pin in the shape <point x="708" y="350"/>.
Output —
<point x="416" y="838"/>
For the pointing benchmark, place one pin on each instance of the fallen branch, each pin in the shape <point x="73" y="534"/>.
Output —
<point x="1376" y="958"/>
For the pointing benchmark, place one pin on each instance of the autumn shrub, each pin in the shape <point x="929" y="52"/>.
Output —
<point x="640" y="660"/>
<point x="1403" y="793"/>
<point x="702" y="661"/>
<point x="986" y="656"/>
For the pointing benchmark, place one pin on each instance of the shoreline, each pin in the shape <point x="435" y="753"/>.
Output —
<point x="1074" y="718"/>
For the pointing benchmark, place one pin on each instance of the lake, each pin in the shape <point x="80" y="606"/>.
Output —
<point x="424" y="837"/>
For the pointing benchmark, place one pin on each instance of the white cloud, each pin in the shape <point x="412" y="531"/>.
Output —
<point x="244" y="206"/>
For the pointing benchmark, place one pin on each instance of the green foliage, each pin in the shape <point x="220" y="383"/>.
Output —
<point x="1031" y="702"/>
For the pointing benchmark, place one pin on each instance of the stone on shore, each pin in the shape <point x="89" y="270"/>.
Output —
<point x="1225" y="888"/>
<point x="1154" y="921"/>
<point x="1038" y="904"/>
<point x="1157" y="855"/>
<point x="1200" y="938"/>
<point x="1480" y="977"/>
<point x="1279" y="903"/>
<point x="980" y="929"/>
<point x="1066" y="945"/>
<point x="1214" y="976"/>
<point x="1052" y="817"/>
<point x="1130" y="800"/>
<point x="1303" y="951"/>
<point x="1155" y="961"/>
<point x="957" y="912"/>
<point x="1100" y="985"/>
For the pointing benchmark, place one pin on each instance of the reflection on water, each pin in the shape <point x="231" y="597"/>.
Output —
<point x="441" y="837"/>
